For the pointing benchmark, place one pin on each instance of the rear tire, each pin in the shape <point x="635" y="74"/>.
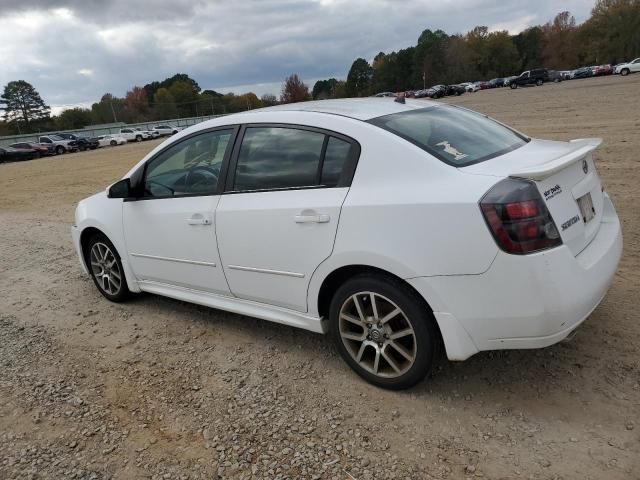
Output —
<point x="105" y="267"/>
<point x="513" y="86"/>
<point x="138" y="138"/>
<point x="539" y="83"/>
<point x="390" y="350"/>
<point x="113" y="143"/>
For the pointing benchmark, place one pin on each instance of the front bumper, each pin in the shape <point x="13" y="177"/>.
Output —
<point x="75" y="238"/>
<point x="528" y="301"/>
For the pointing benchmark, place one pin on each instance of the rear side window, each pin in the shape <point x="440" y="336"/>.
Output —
<point x="336" y="156"/>
<point x="456" y="136"/>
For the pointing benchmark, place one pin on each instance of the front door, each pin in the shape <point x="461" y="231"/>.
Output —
<point x="278" y="218"/>
<point x="170" y="231"/>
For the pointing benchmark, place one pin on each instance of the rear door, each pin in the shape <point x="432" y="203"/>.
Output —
<point x="278" y="218"/>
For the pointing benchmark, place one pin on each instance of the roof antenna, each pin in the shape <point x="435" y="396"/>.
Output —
<point x="400" y="99"/>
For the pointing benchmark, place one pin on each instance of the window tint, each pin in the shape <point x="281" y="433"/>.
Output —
<point x="335" y="157"/>
<point x="456" y="136"/>
<point x="190" y="167"/>
<point x="276" y="157"/>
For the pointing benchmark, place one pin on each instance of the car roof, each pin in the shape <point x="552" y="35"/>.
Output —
<point x="357" y="108"/>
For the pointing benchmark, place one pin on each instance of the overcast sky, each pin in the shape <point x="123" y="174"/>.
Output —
<point x="73" y="51"/>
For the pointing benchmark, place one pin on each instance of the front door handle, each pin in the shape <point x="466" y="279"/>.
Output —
<point x="313" y="218"/>
<point x="198" y="219"/>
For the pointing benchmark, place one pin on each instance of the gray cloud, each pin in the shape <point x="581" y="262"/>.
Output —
<point x="73" y="51"/>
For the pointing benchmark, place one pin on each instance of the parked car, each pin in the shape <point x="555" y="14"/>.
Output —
<point x="603" y="70"/>
<point x="455" y="90"/>
<point x="384" y="94"/>
<point x="627" y="68"/>
<point x="58" y="144"/>
<point x="148" y="133"/>
<point x="437" y="91"/>
<point x="530" y="77"/>
<point x="565" y="74"/>
<point x="470" y="87"/>
<point x="585" y="72"/>
<point x="10" y="154"/>
<point x="166" y="130"/>
<point x="111" y="140"/>
<point x="496" y="82"/>
<point x="84" y="143"/>
<point x="507" y="81"/>
<point x="470" y="208"/>
<point x="133" y="135"/>
<point x="42" y="149"/>
<point x="554" y="76"/>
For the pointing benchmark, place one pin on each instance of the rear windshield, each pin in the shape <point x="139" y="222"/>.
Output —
<point x="456" y="136"/>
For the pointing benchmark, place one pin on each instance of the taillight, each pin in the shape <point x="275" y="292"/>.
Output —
<point x="518" y="217"/>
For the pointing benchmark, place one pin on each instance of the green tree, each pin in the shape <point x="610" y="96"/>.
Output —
<point x="430" y="58"/>
<point x="186" y="98"/>
<point x="268" y="100"/>
<point x="164" y="106"/>
<point x="109" y="109"/>
<point x="73" y="118"/>
<point x="324" y="89"/>
<point x="294" y="90"/>
<point x="22" y="103"/>
<point x="359" y="78"/>
<point x="529" y="45"/>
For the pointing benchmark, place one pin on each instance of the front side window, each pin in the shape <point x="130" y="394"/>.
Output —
<point x="454" y="135"/>
<point x="190" y="167"/>
<point x="276" y="157"/>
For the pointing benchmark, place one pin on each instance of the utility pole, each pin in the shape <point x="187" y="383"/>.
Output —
<point x="424" y="81"/>
<point x="115" y="120"/>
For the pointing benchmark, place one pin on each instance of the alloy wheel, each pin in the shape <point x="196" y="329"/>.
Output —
<point x="105" y="269"/>
<point x="377" y="334"/>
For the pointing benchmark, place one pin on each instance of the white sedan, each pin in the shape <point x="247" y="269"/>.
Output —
<point x="394" y="226"/>
<point x="111" y="140"/>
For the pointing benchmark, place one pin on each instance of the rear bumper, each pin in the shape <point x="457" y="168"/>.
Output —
<point x="529" y="301"/>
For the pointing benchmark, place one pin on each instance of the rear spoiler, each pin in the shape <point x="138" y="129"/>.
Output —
<point x="581" y="147"/>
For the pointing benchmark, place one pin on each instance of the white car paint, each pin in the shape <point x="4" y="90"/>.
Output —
<point x="111" y="140"/>
<point x="406" y="213"/>
<point x="165" y="130"/>
<point x="632" y="67"/>
<point x="133" y="135"/>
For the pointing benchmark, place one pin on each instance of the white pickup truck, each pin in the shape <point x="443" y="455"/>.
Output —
<point x="59" y="144"/>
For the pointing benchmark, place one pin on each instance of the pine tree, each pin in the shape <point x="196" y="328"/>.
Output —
<point x="21" y="102"/>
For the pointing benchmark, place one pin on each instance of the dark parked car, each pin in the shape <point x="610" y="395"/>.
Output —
<point x="9" y="154"/>
<point x="531" y="77"/>
<point x="496" y="82"/>
<point x="585" y="72"/>
<point x="554" y="76"/>
<point x="84" y="143"/>
<point x="437" y="91"/>
<point x="41" y="148"/>
<point x="455" y="90"/>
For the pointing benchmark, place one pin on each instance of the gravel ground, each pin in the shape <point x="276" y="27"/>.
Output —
<point x="161" y="389"/>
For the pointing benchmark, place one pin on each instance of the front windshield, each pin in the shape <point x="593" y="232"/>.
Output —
<point x="456" y="136"/>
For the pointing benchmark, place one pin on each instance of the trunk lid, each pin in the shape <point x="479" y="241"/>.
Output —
<point x="566" y="177"/>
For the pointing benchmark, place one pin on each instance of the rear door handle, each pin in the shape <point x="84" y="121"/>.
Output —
<point x="199" y="219"/>
<point x="315" y="218"/>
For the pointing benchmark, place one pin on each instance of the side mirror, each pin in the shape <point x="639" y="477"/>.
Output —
<point x="121" y="189"/>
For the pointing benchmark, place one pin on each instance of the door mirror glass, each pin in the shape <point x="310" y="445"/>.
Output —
<point x="121" y="189"/>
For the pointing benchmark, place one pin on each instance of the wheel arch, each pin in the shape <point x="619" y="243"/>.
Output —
<point x="337" y="277"/>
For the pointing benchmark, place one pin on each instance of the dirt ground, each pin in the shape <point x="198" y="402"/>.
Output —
<point x="157" y="388"/>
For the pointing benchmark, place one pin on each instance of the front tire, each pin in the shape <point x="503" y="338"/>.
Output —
<point x="105" y="266"/>
<point x="138" y="138"/>
<point x="539" y="83"/>
<point x="624" y="72"/>
<point x="60" y="150"/>
<point x="384" y="331"/>
<point x="513" y="86"/>
<point x="113" y="143"/>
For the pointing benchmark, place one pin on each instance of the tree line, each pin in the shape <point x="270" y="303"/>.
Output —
<point x="610" y="35"/>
